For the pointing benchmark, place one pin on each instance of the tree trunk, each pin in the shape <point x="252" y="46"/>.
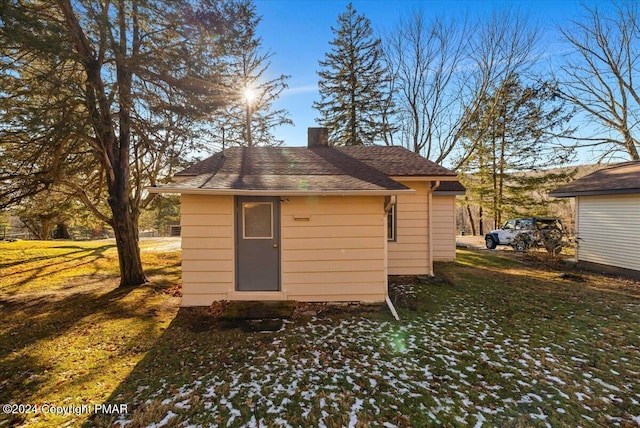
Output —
<point x="62" y="231"/>
<point x="248" y="129"/>
<point x="473" y="225"/>
<point x="126" y="233"/>
<point x="113" y="150"/>
<point x="501" y="167"/>
<point x="630" y="145"/>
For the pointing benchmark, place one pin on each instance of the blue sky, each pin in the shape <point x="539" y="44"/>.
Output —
<point x="298" y="33"/>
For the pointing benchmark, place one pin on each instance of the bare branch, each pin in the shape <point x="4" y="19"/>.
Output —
<point x="598" y="77"/>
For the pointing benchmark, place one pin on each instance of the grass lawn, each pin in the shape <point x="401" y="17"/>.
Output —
<point x="68" y="335"/>
<point x="496" y="340"/>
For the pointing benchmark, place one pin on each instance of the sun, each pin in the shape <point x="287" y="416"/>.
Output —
<point x="249" y="95"/>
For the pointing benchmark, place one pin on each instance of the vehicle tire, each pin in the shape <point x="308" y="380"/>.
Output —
<point x="491" y="244"/>
<point x="521" y="246"/>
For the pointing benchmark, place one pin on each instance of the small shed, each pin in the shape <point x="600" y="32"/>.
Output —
<point x="315" y="223"/>
<point x="607" y="211"/>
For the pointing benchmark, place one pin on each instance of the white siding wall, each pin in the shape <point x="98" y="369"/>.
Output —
<point x="608" y="230"/>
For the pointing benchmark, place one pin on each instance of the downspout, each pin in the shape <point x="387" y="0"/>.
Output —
<point x="576" y="211"/>
<point x="391" y="308"/>
<point x="388" y="203"/>
<point x="434" y="186"/>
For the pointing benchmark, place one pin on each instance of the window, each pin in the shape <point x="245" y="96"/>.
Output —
<point x="509" y="225"/>
<point x="257" y="220"/>
<point x="391" y="223"/>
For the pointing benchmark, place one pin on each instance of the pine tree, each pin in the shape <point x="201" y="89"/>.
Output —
<point x="249" y="118"/>
<point x="88" y="89"/>
<point x="353" y="83"/>
<point x="514" y="152"/>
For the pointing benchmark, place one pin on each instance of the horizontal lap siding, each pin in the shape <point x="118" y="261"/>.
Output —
<point x="608" y="232"/>
<point x="409" y="253"/>
<point x="208" y="271"/>
<point x="444" y="228"/>
<point x="333" y="248"/>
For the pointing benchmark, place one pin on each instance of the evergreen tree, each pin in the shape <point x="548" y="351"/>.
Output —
<point x="353" y="84"/>
<point x="514" y="155"/>
<point x="88" y="89"/>
<point x="249" y="118"/>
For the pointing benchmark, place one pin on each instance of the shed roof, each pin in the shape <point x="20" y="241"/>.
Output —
<point x="320" y="169"/>
<point x="622" y="178"/>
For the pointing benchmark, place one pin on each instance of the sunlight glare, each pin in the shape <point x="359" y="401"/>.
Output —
<point x="398" y="342"/>
<point x="249" y="95"/>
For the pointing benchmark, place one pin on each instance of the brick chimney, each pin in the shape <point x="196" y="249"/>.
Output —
<point x="317" y="137"/>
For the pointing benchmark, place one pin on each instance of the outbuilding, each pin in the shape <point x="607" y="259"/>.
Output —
<point x="315" y="223"/>
<point x="607" y="211"/>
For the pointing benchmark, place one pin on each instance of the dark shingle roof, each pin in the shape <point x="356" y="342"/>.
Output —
<point x="450" y="187"/>
<point x="285" y="168"/>
<point x="615" y="179"/>
<point x="396" y="161"/>
<point x="308" y="169"/>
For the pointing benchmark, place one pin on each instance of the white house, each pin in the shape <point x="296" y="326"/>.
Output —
<point x="607" y="217"/>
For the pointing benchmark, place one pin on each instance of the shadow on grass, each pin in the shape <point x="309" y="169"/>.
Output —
<point x="194" y="343"/>
<point x="533" y="291"/>
<point x="199" y="343"/>
<point x="25" y="371"/>
<point x="59" y="336"/>
<point x="79" y="249"/>
<point x="89" y="255"/>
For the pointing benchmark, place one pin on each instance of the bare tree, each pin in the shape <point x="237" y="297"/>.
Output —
<point x="424" y="58"/>
<point x="444" y="69"/>
<point x="505" y="45"/>
<point x="600" y="73"/>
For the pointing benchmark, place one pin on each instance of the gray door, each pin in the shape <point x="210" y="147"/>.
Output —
<point x="257" y="243"/>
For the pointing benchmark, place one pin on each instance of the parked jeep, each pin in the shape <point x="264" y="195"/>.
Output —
<point x="528" y="232"/>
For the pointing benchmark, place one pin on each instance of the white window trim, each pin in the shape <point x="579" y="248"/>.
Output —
<point x="244" y="221"/>
<point x="394" y="224"/>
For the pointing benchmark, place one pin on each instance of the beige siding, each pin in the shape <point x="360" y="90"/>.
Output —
<point x="409" y="253"/>
<point x="607" y="228"/>
<point x="444" y="228"/>
<point x="333" y="248"/>
<point x="207" y="248"/>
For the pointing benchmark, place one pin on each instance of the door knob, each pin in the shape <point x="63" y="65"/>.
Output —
<point x="275" y="245"/>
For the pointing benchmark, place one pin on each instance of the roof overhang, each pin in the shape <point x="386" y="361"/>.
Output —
<point x="276" y="192"/>
<point x="448" y="193"/>
<point x="431" y="178"/>
<point x="424" y="178"/>
<point x="570" y="194"/>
